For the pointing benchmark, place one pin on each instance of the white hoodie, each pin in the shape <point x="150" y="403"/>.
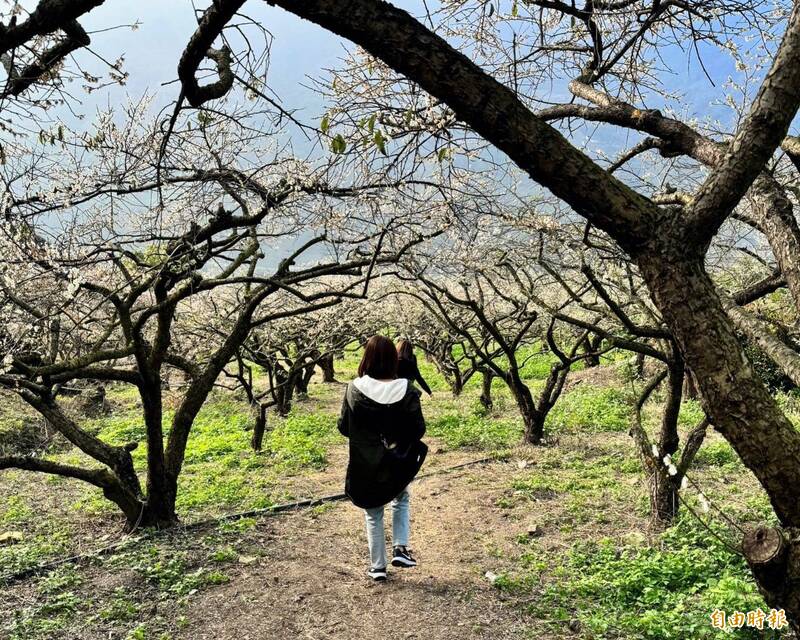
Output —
<point x="382" y="392"/>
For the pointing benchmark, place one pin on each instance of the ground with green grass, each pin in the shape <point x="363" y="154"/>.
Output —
<point x="545" y="542"/>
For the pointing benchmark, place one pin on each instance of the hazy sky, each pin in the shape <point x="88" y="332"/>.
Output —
<point x="299" y="49"/>
<point x="153" y="50"/>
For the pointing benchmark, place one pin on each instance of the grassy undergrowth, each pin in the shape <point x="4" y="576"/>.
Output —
<point x="474" y="431"/>
<point x="156" y="581"/>
<point x="596" y="563"/>
<point x="634" y="584"/>
<point x="592" y="409"/>
<point x="659" y="592"/>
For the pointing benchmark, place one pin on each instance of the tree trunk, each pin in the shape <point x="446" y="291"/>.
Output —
<point x="773" y="555"/>
<point x="159" y="508"/>
<point x="302" y="380"/>
<point x="733" y="397"/>
<point x="668" y="438"/>
<point x="326" y="365"/>
<point x="449" y="370"/>
<point x="259" y="428"/>
<point x="534" y="426"/>
<point x="551" y="391"/>
<point x="486" y="389"/>
<point x="531" y="417"/>
<point x="159" y="512"/>
<point x="284" y="391"/>
<point x="129" y="503"/>
<point x="690" y="387"/>
<point x="639" y="367"/>
<point x="590" y="346"/>
<point x="456" y="383"/>
<point x="738" y="404"/>
<point x="663" y="498"/>
<point x="663" y="487"/>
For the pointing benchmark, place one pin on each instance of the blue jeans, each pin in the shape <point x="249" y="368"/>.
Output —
<point x="375" y="534"/>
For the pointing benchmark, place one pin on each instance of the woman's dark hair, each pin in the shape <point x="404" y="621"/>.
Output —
<point x="380" y="359"/>
<point x="405" y="350"/>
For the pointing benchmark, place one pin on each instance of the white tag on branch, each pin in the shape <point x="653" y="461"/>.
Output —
<point x="75" y="282"/>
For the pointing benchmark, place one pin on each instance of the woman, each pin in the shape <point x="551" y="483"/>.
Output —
<point x="381" y="415"/>
<point x="407" y="365"/>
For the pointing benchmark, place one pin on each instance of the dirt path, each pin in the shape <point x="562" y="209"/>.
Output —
<point x="302" y="574"/>
<point x="311" y="582"/>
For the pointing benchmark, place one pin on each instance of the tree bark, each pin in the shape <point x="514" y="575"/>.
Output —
<point x="759" y="333"/>
<point x="668" y="438"/>
<point x="259" y="428"/>
<point x="326" y="364"/>
<point x="664" y="487"/>
<point x="663" y="498"/>
<point x="456" y="382"/>
<point x="486" y="389"/>
<point x="590" y="346"/>
<point x="162" y="489"/>
<point x="531" y="416"/>
<point x="690" y="387"/>
<point x="773" y="555"/>
<point x="734" y="399"/>
<point x="158" y="512"/>
<point x="284" y="391"/>
<point x="302" y="380"/>
<point x="639" y="366"/>
<point x="534" y="425"/>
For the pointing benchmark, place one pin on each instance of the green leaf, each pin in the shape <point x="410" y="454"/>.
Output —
<point x="380" y="142"/>
<point x="338" y="144"/>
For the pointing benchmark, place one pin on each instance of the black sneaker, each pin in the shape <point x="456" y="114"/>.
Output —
<point x="378" y="575"/>
<point x="402" y="558"/>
